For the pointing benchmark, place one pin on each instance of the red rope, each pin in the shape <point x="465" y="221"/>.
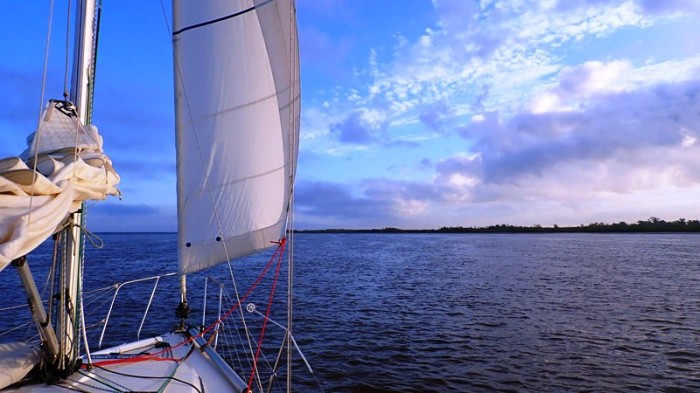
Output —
<point x="279" y="251"/>
<point x="267" y="317"/>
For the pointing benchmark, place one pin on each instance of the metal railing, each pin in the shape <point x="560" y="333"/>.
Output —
<point x="148" y="306"/>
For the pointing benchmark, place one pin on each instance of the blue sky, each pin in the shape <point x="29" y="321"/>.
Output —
<point x="417" y="114"/>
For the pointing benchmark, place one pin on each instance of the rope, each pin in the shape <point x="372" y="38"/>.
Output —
<point x="95" y="240"/>
<point x="79" y="383"/>
<point x="267" y="317"/>
<point x="104" y="381"/>
<point x="151" y="377"/>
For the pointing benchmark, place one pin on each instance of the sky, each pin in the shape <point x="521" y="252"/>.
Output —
<point x="415" y="113"/>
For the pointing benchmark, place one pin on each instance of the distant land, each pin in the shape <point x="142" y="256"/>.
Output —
<point x="653" y="224"/>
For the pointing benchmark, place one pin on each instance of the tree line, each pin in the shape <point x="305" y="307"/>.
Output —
<point x="653" y="224"/>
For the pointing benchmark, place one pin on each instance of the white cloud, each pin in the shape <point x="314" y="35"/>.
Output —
<point x="578" y="84"/>
<point x="410" y="207"/>
<point x="507" y="45"/>
<point x="546" y="102"/>
<point x="689" y="140"/>
<point x="593" y="77"/>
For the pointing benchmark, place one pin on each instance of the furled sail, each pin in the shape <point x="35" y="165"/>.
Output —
<point x="237" y="120"/>
<point x="70" y="168"/>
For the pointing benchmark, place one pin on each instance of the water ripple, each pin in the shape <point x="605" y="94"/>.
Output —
<point x="471" y="313"/>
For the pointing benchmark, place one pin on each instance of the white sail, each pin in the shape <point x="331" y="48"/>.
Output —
<point x="70" y="168"/>
<point x="237" y="115"/>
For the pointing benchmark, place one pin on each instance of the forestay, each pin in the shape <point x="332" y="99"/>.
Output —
<point x="70" y="168"/>
<point x="237" y="116"/>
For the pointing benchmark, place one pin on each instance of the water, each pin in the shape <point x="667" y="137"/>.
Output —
<point x="490" y="313"/>
<point x="467" y="312"/>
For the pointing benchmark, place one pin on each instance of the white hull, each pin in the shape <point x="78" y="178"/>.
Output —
<point x="187" y="368"/>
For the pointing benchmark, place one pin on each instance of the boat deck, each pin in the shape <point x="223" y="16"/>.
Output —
<point x="173" y="367"/>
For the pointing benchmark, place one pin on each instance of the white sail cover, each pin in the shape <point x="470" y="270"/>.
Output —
<point x="237" y="116"/>
<point x="70" y="168"/>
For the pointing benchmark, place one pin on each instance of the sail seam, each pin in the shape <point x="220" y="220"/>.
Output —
<point x="223" y="18"/>
<point x="232" y="109"/>
<point x="243" y="179"/>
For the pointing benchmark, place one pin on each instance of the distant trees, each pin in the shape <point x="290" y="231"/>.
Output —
<point x="652" y="224"/>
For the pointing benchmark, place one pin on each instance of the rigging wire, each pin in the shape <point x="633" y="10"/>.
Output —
<point x="267" y="318"/>
<point x="37" y="134"/>
<point x="51" y="277"/>
<point x="67" y="67"/>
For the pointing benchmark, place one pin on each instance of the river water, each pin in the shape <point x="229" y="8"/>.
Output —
<point x="524" y="312"/>
<point x="470" y="312"/>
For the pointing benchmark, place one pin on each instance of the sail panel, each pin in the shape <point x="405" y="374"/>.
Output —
<point x="237" y="125"/>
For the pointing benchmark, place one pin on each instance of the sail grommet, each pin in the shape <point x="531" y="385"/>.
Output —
<point x="188" y="244"/>
<point x="218" y="238"/>
<point x="250" y="307"/>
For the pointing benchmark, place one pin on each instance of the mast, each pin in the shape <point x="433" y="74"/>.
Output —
<point x="71" y="268"/>
<point x="293" y="147"/>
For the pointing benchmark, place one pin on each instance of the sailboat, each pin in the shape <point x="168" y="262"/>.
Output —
<point x="237" y="93"/>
